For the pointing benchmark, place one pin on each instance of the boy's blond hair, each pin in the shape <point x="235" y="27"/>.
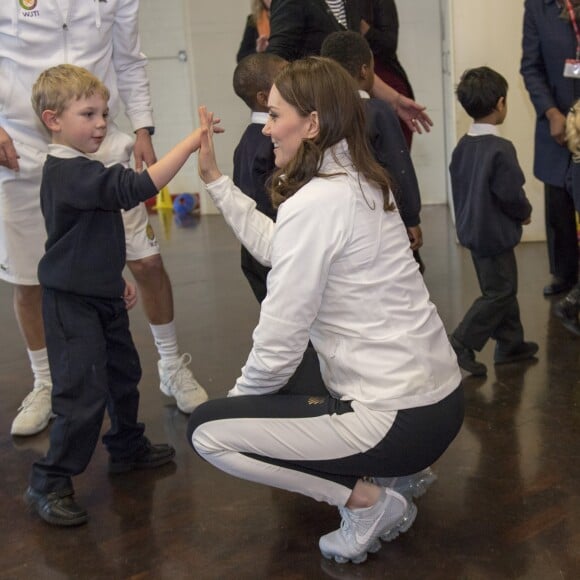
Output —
<point x="58" y="86"/>
<point x="573" y="131"/>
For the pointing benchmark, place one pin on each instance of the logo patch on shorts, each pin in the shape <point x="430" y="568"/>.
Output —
<point x="315" y="400"/>
<point x="28" y="4"/>
<point x="150" y="232"/>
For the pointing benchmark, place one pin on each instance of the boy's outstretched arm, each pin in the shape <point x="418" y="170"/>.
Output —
<point x="164" y="170"/>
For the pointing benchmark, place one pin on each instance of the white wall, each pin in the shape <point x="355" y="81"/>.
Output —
<point x="490" y="33"/>
<point x="210" y="32"/>
<point x="215" y="31"/>
<point x="421" y="56"/>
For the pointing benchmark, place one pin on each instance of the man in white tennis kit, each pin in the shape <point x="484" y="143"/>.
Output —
<point x="101" y="36"/>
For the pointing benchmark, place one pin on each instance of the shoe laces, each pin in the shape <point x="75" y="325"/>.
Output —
<point x="346" y="525"/>
<point x="183" y="374"/>
<point x="354" y="523"/>
<point x="41" y="390"/>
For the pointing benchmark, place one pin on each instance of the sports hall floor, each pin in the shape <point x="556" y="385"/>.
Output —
<point x="506" y="504"/>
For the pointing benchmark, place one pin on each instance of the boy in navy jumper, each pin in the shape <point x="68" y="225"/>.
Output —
<point x="353" y="53"/>
<point x="93" y="361"/>
<point x="254" y="155"/>
<point x="490" y="208"/>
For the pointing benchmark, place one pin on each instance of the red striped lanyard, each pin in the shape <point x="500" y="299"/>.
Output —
<point x="575" y="25"/>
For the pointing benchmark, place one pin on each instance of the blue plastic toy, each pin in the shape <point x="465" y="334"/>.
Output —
<point x="184" y="204"/>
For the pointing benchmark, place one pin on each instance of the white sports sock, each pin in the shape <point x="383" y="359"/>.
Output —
<point x="165" y="338"/>
<point x="39" y="365"/>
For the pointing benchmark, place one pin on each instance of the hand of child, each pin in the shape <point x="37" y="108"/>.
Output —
<point x="8" y="155"/>
<point x="415" y="237"/>
<point x="130" y="295"/>
<point x="208" y="169"/>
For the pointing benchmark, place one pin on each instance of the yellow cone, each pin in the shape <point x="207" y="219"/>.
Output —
<point x="166" y="221"/>
<point x="163" y="200"/>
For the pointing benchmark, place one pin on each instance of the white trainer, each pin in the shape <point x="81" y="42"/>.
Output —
<point x="177" y="381"/>
<point x="361" y="529"/>
<point x="35" y="412"/>
<point x="414" y="485"/>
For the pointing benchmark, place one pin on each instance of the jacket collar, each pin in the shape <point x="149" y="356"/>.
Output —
<point x="336" y="157"/>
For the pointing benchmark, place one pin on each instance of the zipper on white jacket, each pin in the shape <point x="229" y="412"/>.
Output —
<point x="97" y="13"/>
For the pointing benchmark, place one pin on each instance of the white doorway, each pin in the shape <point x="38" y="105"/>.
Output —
<point x="421" y="53"/>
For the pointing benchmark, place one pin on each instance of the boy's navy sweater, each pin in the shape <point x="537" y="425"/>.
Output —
<point x="81" y="201"/>
<point x="488" y="196"/>
<point x="391" y="151"/>
<point x="253" y="165"/>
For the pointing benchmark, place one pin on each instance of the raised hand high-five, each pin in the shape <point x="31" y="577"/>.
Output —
<point x="208" y="169"/>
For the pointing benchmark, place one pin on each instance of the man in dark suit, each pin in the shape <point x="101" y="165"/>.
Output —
<point x="548" y="40"/>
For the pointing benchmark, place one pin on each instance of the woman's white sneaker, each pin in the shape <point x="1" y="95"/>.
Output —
<point x="361" y="529"/>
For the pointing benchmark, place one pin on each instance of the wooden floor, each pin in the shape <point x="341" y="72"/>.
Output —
<point x="506" y="504"/>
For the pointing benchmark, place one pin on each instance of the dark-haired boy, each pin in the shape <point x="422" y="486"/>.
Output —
<point x="353" y="53"/>
<point x="490" y="208"/>
<point x="254" y="155"/>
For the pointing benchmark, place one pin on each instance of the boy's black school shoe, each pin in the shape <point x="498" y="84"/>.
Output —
<point x="558" y="286"/>
<point x="523" y="351"/>
<point x="466" y="358"/>
<point x="151" y="456"/>
<point x="55" y="508"/>
<point x="567" y="310"/>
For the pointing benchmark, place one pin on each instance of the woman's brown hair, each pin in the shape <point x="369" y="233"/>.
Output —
<point x="322" y="85"/>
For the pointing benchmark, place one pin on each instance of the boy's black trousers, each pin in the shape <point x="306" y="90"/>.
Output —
<point x="94" y="366"/>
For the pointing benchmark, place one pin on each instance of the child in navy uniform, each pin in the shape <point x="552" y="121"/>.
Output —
<point x="353" y="53"/>
<point x="254" y="155"/>
<point x="568" y="309"/>
<point x="93" y="361"/>
<point x="490" y="208"/>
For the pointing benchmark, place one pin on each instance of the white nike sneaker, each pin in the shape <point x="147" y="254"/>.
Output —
<point x="35" y="412"/>
<point x="361" y="529"/>
<point x="176" y="380"/>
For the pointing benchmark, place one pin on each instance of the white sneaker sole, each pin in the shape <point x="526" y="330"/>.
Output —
<point x="402" y="525"/>
<point x="419" y="487"/>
